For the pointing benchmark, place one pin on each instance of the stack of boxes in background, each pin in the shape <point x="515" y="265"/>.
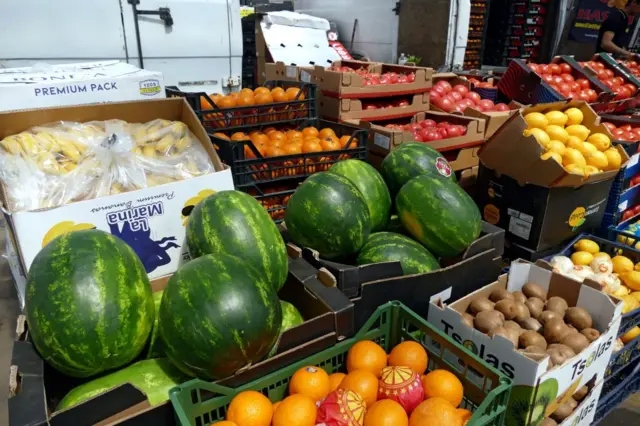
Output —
<point x="477" y="34"/>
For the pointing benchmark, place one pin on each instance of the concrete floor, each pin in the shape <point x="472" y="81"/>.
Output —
<point x="628" y="413"/>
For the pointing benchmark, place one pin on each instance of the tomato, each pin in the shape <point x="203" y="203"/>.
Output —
<point x="403" y="103"/>
<point x="597" y="65"/>
<point x="403" y="79"/>
<point x="473" y="96"/>
<point x="636" y="210"/>
<point x="442" y="131"/>
<point x="468" y="102"/>
<point x="617" y="133"/>
<point x="632" y="64"/>
<point x="427" y="123"/>
<point x="630" y="136"/>
<point x="463" y="90"/>
<point x="628" y="214"/>
<point x="439" y="90"/>
<point x="544" y="69"/>
<point x="455" y="96"/>
<point x="602" y="75"/>
<point x="636" y="131"/>
<point x="455" y="131"/>
<point x="428" y="135"/>
<point x="443" y="124"/>
<point x="610" y="74"/>
<point x="626" y="127"/>
<point x="371" y="106"/>
<point x="567" y="77"/>
<point x="434" y="95"/>
<point x="555" y="69"/>
<point x="575" y="87"/>
<point x="501" y="107"/>
<point x="474" y="80"/>
<point x="564" y="89"/>
<point x="445" y="85"/>
<point x="632" y="88"/>
<point x="582" y="96"/>
<point x="534" y="67"/>
<point x="411" y="77"/>
<point x="486" y="104"/>
<point x="591" y="94"/>
<point x="583" y="82"/>
<point x="609" y="126"/>
<point x="549" y="79"/>
<point x="558" y="80"/>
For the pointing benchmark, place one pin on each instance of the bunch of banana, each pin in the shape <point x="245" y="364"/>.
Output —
<point x="161" y="138"/>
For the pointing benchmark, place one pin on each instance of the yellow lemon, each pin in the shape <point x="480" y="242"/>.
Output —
<point x="575" y="169"/>
<point x="574" y="116"/>
<point x="588" y="246"/>
<point x="601" y="254"/>
<point x="586" y="148"/>
<point x="556" y="133"/>
<point x="614" y="160"/>
<point x="573" y="156"/>
<point x="600" y="140"/>
<point x="597" y="159"/>
<point x="556" y="146"/>
<point x="557" y="118"/>
<point x="637" y="268"/>
<point x="631" y="279"/>
<point x="582" y="258"/>
<point x="536" y="120"/>
<point x="636" y="295"/>
<point x="579" y="131"/>
<point x="622" y="264"/>
<point x="590" y="170"/>
<point x="542" y="138"/>
<point x="575" y="143"/>
<point x="552" y="154"/>
<point x="630" y="335"/>
<point x="629" y="303"/>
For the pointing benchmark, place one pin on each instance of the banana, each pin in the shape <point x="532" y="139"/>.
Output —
<point x="116" y="188"/>
<point x="46" y="161"/>
<point x="12" y="146"/>
<point x="69" y="150"/>
<point x="164" y="145"/>
<point x="192" y="168"/>
<point x="137" y="150"/>
<point x="69" y="167"/>
<point x="29" y="144"/>
<point x="81" y="147"/>
<point x="178" y="128"/>
<point x="149" y="151"/>
<point x="183" y="144"/>
<point x="47" y="141"/>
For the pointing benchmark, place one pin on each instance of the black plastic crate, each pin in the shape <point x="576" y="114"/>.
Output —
<point x="274" y="198"/>
<point x="616" y="389"/>
<point x="619" y="360"/>
<point x="249" y="167"/>
<point x="234" y="119"/>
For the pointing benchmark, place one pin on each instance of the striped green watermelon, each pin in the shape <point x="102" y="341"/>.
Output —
<point x="410" y="160"/>
<point x="235" y="223"/>
<point x="372" y="186"/>
<point x="88" y="303"/>
<point x="218" y="315"/>
<point x="439" y="214"/>
<point x="329" y="214"/>
<point x="155" y="345"/>
<point x="390" y="247"/>
<point x="291" y="317"/>
<point x="395" y="225"/>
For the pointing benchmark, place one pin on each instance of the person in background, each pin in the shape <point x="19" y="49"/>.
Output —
<point x="615" y="31"/>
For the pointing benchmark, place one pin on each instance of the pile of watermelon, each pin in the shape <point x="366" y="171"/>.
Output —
<point x="345" y="213"/>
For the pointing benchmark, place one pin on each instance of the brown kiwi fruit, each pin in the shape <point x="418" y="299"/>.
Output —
<point x="563" y="411"/>
<point x="507" y="307"/>
<point x="581" y="393"/>
<point x="467" y="319"/>
<point x="480" y="304"/>
<point x="534" y="350"/>
<point x="522" y="312"/>
<point x="559" y="353"/>
<point x="579" y="318"/>
<point x="531" y="324"/>
<point x="548" y="422"/>
<point x="532" y="338"/>
<point x="557" y="304"/>
<point x="548" y="315"/>
<point x="536" y="306"/>
<point x="519" y="296"/>
<point x="576" y="341"/>
<point x="554" y="330"/>
<point x="500" y="294"/>
<point x="513" y="325"/>
<point x="487" y="320"/>
<point x="534" y="290"/>
<point x="591" y="333"/>
<point x="508" y="333"/>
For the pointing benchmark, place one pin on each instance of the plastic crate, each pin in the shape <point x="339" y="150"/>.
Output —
<point x="621" y="195"/>
<point x="249" y="167"/>
<point x="630" y="319"/>
<point x="619" y="360"/>
<point x="616" y="390"/>
<point x="199" y="403"/>
<point x="273" y="199"/>
<point x="238" y="118"/>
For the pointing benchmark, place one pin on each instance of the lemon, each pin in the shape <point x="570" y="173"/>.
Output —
<point x="579" y="131"/>
<point x="542" y="138"/>
<point x="614" y="160"/>
<point x="556" y="133"/>
<point x="575" y="169"/>
<point x="630" y="335"/>
<point x="557" y="118"/>
<point x="556" y="146"/>
<point x="575" y="143"/>
<point x="636" y="295"/>
<point x="631" y="279"/>
<point x="621" y="292"/>
<point x="573" y="156"/>
<point x="597" y="159"/>
<point x="629" y="303"/>
<point x="601" y="254"/>
<point x="552" y="154"/>
<point x="574" y="116"/>
<point x="622" y="264"/>
<point x="582" y="258"/>
<point x="590" y="170"/>
<point x="587" y="245"/>
<point x="637" y="268"/>
<point x="600" y="140"/>
<point x="536" y="120"/>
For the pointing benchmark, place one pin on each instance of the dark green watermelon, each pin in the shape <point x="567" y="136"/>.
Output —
<point x="234" y="223"/>
<point x="395" y="225"/>
<point x="329" y="214"/>
<point x="410" y="160"/>
<point x="153" y="377"/>
<point x="371" y="185"/>
<point x="439" y="214"/>
<point x="291" y="316"/>
<point x="390" y="247"/>
<point x="155" y="345"/>
<point x="218" y="315"/>
<point x="88" y="303"/>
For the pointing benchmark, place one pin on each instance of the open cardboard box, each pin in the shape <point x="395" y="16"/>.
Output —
<point x="495" y="119"/>
<point x="451" y="78"/>
<point x="281" y="72"/>
<point x="533" y="379"/>
<point x="349" y="109"/>
<point x="37" y="388"/>
<point x="511" y="153"/>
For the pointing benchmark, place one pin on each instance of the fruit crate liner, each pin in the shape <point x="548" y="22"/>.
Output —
<point x="199" y="403"/>
<point x="626" y="383"/>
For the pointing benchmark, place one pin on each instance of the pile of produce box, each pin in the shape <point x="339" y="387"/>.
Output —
<point x="551" y="335"/>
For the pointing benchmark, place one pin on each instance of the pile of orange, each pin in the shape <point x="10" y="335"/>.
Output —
<point x="309" y="386"/>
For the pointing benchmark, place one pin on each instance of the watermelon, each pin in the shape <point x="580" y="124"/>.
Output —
<point x="395" y="225"/>
<point x="88" y="303"/>
<point x="291" y="316"/>
<point x="410" y="160"/>
<point x="234" y="223"/>
<point x="329" y="214"/>
<point x="155" y="345"/>
<point x="218" y="315"/>
<point x="439" y="214"/>
<point x="153" y="377"/>
<point x="372" y="186"/>
<point x="390" y="247"/>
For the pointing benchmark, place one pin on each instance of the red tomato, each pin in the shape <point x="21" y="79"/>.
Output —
<point x="433" y="95"/>
<point x="575" y="87"/>
<point x="544" y="69"/>
<point x="583" y="82"/>
<point x="583" y="96"/>
<point x="474" y="80"/>
<point x="636" y="210"/>
<point x="549" y="79"/>
<point x="564" y="89"/>
<point x="468" y="102"/>
<point x="630" y="136"/>
<point x="463" y="90"/>
<point x="617" y="133"/>
<point x="439" y="89"/>
<point x="566" y="68"/>
<point x="473" y="96"/>
<point x="628" y="214"/>
<point x="597" y="65"/>
<point x="455" y="131"/>
<point x="567" y="77"/>
<point x="486" y="104"/>
<point x="609" y="126"/>
<point x="632" y="89"/>
<point x="602" y="75"/>
<point x="534" y="67"/>
<point x="626" y="127"/>
<point x="555" y="69"/>
<point x="445" y="104"/>
<point x="610" y="74"/>
<point x="455" y="96"/>
<point x="428" y="135"/>
<point x="427" y="123"/>
<point x="636" y="131"/>
<point x="443" y="125"/>
<point x="501" y="107"/>
<point x="592" y="95"/>
<point x="445" y="85"/>
<point x="558" y="80"/>
<point x="459" y="107"/>
<point x="632" y="64"/>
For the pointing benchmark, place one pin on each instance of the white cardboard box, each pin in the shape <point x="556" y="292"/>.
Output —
<point x="151" y="220"/>
<point x="585" y="412"/>
<point x="530" y="377"/>
<point x="46" y="86"/>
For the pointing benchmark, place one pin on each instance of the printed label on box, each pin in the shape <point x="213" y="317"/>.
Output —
<point x="382" y="141"/>
<point x="305" y="77"/>
<point x="291" y="72"/>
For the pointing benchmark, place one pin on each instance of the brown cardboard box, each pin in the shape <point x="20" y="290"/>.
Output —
<point x="349" y="109"/>
<point x="452" y="78"/>
<point x="494" y="120"/>
<point x="511" y="153"/>
<point x="281" y="72"/>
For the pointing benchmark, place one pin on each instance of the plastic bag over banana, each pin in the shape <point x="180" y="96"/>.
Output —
<point x="56" y="164"/>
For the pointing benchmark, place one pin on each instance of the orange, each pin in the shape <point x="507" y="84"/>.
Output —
<point x="294" y="134"/>
<point x="244" y="100"/>
<point x="310" y="381"/>
<point x="263" y="98"/>
<point x="366" y="355"/>
<point x="259" y="139"/>
<point x="444" y="384"/>
<point x="386" y="413"/>
<point x="239" y="136"/>
<point x="435" y="412"/>
<point x="277" y="135"/>
<point x="295" y="410"/>
<point x="204" y="103"/>
<point x="246" y="91"/>
<point x="226" y="102"/>
<point x="250" y="408"/>
<point x="464" y="414"/>
<point x="326" y="132"/>
<point x="310" y="131"/>
<point x="224" y="423"/>
<point x="221" y="136"/>
<point x="311" y="146"/>
<point x="273" y="151"/>
<point x="409" y="354"/>
<point x="268" y="130"/>
<point x="279" y="96"/>
<point x="330" y="144"/>
<point x="292" y="148"/>
<point x="362" y="382"/>
<point x="335" y="379"/>
<point x="292" y="94"/>
<point x="261" y="90"/>
<point x="344" y="140"/>
<point x="275" y="405"/>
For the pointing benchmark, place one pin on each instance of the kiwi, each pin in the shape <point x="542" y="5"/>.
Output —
<point x="548" y="422"/>
<point x="500" y="294"/>
<point x="487" y="320"/>
<point x="534" y="350"/>
<point x="536" y="306"/>
<point x="467" y="319"/>
<point x="579" y="318"/>
<point x="531" y="324"/>
<point x="507" y="307"/>
<point x="526" y="407"/>
<point x="513" y="325"/>
<point x="480" y="304"/>
<point x="508" y="333"/>
<point x="519" y="296"/>
<point x="548" y="315"/>
<point x="532" y="338"/>
<point x="557" y="304"/>
<point x="522" y="312"/>
<point x="560" y="353"/>
<point x="563" y="411"/>
<point x="534" y="290"/>
<point x="576" y="341"/>
<point x="554" y="330"/>
<point x="581" y="393"/>
<point x="591" y="333"/>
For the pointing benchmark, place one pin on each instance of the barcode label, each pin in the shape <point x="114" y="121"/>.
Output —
<point x="382" y="141"/>
<point x="291" y="72"/>
<point x="519" y="227"/>
<point x="305" y="77"/>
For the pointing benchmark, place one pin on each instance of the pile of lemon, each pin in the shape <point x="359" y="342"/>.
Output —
<point x="567" y="141"/>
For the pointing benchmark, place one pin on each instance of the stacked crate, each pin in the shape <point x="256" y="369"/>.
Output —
<point x="477" y="34"/>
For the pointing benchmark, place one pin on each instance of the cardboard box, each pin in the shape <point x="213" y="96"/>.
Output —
<point x="539" y="217"/>
<point x="452" y="78"/>
<point x="281" y="72"/>
<point x="511" y="153"/>
<point x="534" y="380"/>
<point x="350" y="109"/>
<point x="75" y="84"/>
<point x="495" y="119"/>
<point x="585" y="413"/>
<point x="328" y="319"/>
<point x="151" y="220"/>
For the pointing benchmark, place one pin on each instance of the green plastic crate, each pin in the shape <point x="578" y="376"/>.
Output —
<point x="199" y="403"/>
